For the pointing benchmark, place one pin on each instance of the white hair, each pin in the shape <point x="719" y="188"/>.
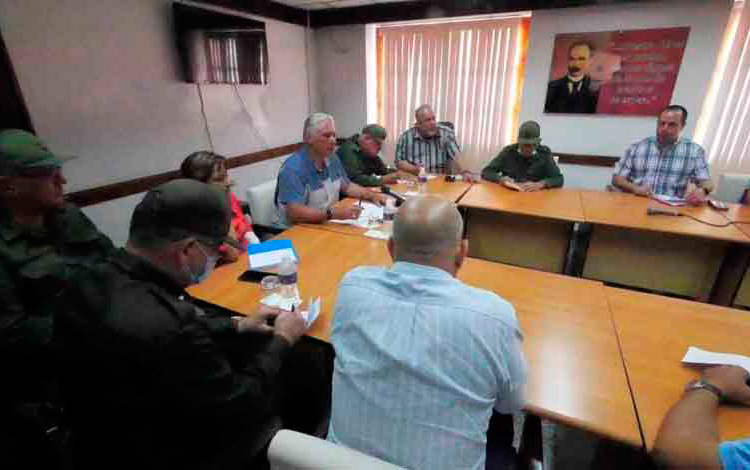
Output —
<point x="422" y="109"/>
<point x="313" y="123"/>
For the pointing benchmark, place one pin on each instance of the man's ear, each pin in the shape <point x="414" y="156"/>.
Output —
<point x="463" y="252"/>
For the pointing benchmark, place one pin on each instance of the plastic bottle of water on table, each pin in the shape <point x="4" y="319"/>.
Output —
<point x="288" y="278"/>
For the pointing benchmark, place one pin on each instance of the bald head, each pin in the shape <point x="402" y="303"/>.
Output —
<point x="427" y="230"/>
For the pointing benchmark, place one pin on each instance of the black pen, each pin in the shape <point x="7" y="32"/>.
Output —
<point x="292" y="308"/>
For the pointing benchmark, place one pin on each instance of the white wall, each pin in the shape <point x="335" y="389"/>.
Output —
<point x="343" y="88"/>
<point x="341" y="76"/>
<point x="610" y="135"/>
<point x="101" y="80"/>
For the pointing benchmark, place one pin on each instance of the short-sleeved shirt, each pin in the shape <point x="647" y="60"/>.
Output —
<point x="666" y="171"/>
<point x="300" y="182"/>
<point x="363" y="170"/>
<point x="434" y="153"/>
<point x="421" y="361"/>
<point x="735" y="455"/>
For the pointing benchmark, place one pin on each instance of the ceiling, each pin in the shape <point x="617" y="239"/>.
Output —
<point x="327" y="4"/>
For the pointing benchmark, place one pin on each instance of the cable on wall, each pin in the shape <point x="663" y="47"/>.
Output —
<point x="205" y="120"/>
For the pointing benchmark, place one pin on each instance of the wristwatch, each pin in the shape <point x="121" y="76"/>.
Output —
<point x="703" y="385"/>
<point x="329" y="214"/>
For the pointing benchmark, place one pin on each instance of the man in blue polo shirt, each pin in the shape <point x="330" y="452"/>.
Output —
<point x="311" y="180"/>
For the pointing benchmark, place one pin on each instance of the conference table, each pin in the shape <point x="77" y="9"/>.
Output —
<point x="741" y="213"/>
<point x="529" y="229"/>
<point x="450" y="190"/>
<point x="677" y="255"/>
<point x="655" y="332"/>
<point x="575" y="376"/>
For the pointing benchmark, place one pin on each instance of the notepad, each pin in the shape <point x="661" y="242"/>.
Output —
<point x="670" y="200"/>
<point x="698" y="356"/>
<point x="511" y="185"/>
<point x="370" y="217"/>
<point x="261" y="255"/>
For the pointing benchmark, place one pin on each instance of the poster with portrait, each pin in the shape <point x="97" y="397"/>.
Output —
<point x="615" y="72"/>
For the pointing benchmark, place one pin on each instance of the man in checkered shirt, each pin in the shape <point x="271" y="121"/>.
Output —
<point x="429" y="145"/>
<point x="665" y="165"/>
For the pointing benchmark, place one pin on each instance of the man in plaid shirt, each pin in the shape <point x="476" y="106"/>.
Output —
<point x="429" y="145"/>
<point x="666" y="165"/>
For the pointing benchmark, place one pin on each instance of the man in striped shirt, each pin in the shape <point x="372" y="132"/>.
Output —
<point x="667" y="164"/>
<point x="429" y="145"/>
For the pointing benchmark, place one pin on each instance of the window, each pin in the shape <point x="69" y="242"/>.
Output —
<point x="470" y="71"/>
<point x="237" y="57"/>
<point x="723" y="128"/>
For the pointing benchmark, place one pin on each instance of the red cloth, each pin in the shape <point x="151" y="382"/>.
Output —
<point x="239" y="222"/>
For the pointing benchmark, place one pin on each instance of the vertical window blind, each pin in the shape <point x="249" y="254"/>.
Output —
<point x="471" y="73"/>
<point x="237" y="58"/>
<point x="723" y="128"/>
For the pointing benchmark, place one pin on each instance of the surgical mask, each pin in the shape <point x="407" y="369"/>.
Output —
<point x="207" y="268"/>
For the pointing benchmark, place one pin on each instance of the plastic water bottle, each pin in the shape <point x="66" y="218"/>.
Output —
<point x="389" y="211"/>
<point x="422" y="180"/>
<point x="288" y="278"/>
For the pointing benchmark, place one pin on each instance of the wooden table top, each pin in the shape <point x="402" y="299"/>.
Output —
<point x="576" y="374"/>
<point x="629" y="211"/>
<point x="324" y="259"/>
<point x="739" y="213"/>
<point x="449" y="190"/>
<point x="437" y="186"/>
<point x="655" y="332"/>
<point x="560" y="203"/>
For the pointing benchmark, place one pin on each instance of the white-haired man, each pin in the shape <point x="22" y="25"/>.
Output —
<point x="429" y="145"/>
<point x="311" y="180"/>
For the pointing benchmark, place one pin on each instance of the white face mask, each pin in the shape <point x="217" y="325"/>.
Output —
<point x="208" y="268"/>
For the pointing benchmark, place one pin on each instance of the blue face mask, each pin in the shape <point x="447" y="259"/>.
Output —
<point x="208" y="268"/>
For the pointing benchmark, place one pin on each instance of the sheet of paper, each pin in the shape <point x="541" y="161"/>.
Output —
<point x="377" y="234"/>
<point x="269" y="258"/>
<point x="284" y="303"/>
<point x="411" y="193"/>
<point x="670" y="200"/>
<point x="431" y="177"/>
<point x="370" y="217"/>
<point x="700" y="356"/>
<point x="312" y="313"/>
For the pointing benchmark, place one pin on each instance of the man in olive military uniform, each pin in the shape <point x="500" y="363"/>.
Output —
<point x="152" y="381"/>
<point x="527" y="164"/>
<point x="359" y="155"/>
<point x="43" y="243"/>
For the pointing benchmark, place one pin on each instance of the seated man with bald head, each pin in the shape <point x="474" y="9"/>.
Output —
<point x="422" y="359"/>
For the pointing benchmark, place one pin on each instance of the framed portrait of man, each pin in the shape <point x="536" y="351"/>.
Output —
<point x="615" y="72"/>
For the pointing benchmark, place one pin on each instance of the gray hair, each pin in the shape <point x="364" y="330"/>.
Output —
<point x="313" y="123"/>
<point x="421" y="110"/>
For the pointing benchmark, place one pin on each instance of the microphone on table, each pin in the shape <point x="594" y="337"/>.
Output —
<point x="399" y="198"/>
<point x="660" y="211"/>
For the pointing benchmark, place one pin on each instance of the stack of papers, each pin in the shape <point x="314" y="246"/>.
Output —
<point x="370" y="217"/>
<point x="670" y="200"/>
<point x="377" y="234"/>
<point x="310" y="315"/>
<point x="698" y="356"/>
<point x="270" y="253"/>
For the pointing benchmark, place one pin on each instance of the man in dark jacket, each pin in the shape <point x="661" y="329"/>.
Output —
<point x="528" y="165"/>
<point x="44" y="242"/>
<point x="576" y="92"/>
<point x="151" y="380"/>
